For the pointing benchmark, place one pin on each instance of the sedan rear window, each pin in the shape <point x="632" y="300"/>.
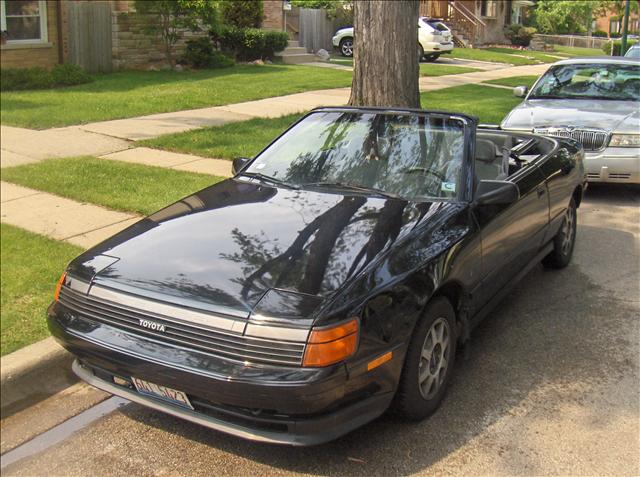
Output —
<point x="412" y="156"/>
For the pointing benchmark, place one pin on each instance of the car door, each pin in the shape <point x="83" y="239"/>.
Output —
<point x="512" y="235"/>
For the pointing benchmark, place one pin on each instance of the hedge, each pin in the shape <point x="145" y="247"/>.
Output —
<point x="248" y="44"/>
<point x="13" y="79"/>
<point x="617" y="45"/>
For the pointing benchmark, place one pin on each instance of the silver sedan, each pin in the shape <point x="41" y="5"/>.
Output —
<point x="595" y="101"/>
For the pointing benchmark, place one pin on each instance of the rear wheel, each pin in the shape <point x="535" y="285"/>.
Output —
<point x="432" y="58"/>
<point x="346" y="47"/>
<point x="429" y="362"/>
<point x="564" y="241"/>
<point x="420" y="53"/>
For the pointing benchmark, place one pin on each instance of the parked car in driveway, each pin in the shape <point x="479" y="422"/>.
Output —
<point x="332" y="277"/>
<point x="434" y="39"/>
<point x="595" y="101"/>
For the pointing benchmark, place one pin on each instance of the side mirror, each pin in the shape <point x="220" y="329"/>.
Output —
<point x="520" y="91"/>
<point x="238" y="164"/>
<point x="496" y="193"/>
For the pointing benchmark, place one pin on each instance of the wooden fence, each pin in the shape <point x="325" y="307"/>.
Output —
<point x="90" y="34"/>
<point x="316" y="30"/>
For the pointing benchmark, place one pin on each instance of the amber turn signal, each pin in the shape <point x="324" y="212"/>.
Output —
<point x="330" y="345"/>
<point x="56" y="295"/>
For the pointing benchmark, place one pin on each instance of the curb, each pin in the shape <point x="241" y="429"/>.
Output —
<point x="32" y="374"/>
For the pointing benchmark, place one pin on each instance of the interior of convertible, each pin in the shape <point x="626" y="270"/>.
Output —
<point x="500" y="155"/>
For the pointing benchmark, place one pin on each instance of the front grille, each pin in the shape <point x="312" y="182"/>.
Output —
<point x="238" y="347"/>
<point x="593" y="175"/>
<point x="591" y="139"/>
<point x="620" y="175"/>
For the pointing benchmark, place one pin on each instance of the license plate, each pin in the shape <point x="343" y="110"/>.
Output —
<point x="162" y="392"/>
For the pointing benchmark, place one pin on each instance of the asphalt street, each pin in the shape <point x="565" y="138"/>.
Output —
<point x="551" y="387"/>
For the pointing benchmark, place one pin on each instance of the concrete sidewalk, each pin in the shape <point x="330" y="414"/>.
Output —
<point x="78" y="223"/>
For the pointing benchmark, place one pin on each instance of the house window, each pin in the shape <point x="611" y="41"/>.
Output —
<point x="24" y="21"/>
<point x="489" y="8"/>
<point x="614" y="26"/>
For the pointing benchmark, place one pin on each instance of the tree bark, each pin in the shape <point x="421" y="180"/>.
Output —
<point x="385" y="57"/>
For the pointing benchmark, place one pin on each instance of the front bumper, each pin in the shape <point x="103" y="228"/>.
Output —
<point x="335" y="41"/>
<point x="613" y="164"/>
<point x="277" y="404"/>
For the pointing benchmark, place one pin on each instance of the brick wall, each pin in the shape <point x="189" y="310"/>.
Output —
<point x="273" y="17"/>
<point x="133" y="48"/>
<point x="45" y="54"/>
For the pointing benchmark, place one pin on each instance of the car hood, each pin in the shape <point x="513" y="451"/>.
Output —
<point x="616" y="116"/>
<point x="227" y="245"/>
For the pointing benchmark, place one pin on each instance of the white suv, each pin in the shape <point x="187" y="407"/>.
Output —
<point x="434" y="39"/>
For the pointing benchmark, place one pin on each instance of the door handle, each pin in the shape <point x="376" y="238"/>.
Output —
<point x="541" y="191"/>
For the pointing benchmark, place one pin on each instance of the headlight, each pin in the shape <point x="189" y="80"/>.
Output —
<point x="625" y="140"/>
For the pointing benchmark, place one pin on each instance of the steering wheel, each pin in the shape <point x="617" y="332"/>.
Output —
<point x="424" y="170"/>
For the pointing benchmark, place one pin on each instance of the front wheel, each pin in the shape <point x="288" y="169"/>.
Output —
<point x="429" y="362"/>
<point x="346" y="47"/>
<point x="564" y="241"/>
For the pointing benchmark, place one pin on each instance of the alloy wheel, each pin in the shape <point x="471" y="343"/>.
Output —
<point x="347" y="48"/>
<point x="568" y="230"/>
<point x="434" y="358"/>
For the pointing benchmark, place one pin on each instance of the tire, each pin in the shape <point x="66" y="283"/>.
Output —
<point x="418" y="397"/>
<point x="420" y="53"/>
<point x="431" y="58"/>
<point x="346" y="47"/>
<point x="564" y="241"/>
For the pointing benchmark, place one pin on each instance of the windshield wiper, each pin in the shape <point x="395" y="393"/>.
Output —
<point x="266" y="178"/>
<point x="356" y="188"/>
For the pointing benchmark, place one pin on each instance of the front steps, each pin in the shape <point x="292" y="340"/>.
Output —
<point x="294" y="54"/>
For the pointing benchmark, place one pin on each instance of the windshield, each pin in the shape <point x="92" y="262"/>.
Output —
<point x="415" y="157"/>
<point x="590" y="81"/>
<point x="633" y="52"/>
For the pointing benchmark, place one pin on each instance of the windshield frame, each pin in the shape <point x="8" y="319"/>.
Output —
<point x="470" y="124"/>
<point x="595" y="63"/>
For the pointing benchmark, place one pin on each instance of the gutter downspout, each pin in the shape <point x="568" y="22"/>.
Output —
<point x="59" y="27"/>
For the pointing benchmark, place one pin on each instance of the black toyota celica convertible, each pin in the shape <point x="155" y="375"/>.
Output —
<point x="332" y="278"/>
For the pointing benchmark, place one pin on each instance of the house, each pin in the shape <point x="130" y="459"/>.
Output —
<point x="99" y="35"/>
<point x="476" y="22"/>
<point x="611" y="23"/>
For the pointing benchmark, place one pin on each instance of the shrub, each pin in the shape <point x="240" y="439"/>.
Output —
<point x="13" y="79"/>
<point x="69" y="75"/>
<point x="614" y="34"/>
<point x="248" y="44"/>
<point x="519" y="35"/>
<point x="600" y="34"/>
<point x="617" y="46"/>
<point x="201" y="54"/>
<point x="243" y="13"/>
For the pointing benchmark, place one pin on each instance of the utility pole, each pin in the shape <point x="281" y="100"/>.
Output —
<point x="625" y="28"/>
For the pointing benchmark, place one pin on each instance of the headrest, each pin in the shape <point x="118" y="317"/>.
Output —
<point x="486" y="150"/>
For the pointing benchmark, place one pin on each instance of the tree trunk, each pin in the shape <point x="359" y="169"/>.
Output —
<point x="385" y="57"/>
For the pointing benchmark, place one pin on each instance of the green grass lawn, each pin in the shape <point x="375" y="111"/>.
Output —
<point x="114" y="184"/>
<point x="434" y="69"/>
<point x="490" y="105"/>
<point x="240" y="139"/>
<point x="503" y="55"/>
<point x="247" y="138"/>
<point x="576" y="51"/>
<point x="515" y="81"/>
<point x="136" y="93"/>
<point x="31" y="266"/>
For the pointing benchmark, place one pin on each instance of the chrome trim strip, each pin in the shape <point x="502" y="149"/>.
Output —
<point x="77" y="285"/>
<point x="298" y="335"/>
<point x="170" y="311"/>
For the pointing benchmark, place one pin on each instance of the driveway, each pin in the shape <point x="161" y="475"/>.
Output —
<point x="550" y="387"/>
